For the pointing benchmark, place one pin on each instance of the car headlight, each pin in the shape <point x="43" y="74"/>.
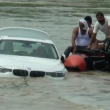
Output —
<point x="57" y="74"/>
<point x="4" y="70"/>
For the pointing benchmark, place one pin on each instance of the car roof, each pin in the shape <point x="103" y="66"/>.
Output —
<point x="24" y="33"/>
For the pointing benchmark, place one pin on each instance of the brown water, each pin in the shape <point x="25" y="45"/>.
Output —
<point x="88" y="90"/>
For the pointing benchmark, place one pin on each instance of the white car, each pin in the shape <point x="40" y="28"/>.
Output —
<point x="27" y="52"/>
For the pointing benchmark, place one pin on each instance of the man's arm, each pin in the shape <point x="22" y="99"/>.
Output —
<point x="94" y="34"/>
<point x="90" y="32"/>
<point x="74" y="35"/>
<point x="93" y="39"/>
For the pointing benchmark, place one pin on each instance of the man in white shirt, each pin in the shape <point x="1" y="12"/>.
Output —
<point x="102" y="24"/>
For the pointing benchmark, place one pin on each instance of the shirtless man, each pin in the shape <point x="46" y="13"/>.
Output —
<point x="89" y="21"/>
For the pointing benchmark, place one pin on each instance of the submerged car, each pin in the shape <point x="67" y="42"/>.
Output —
<point x="27" y="52"/>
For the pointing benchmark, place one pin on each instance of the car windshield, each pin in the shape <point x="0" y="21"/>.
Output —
<point x="28" y="48"/>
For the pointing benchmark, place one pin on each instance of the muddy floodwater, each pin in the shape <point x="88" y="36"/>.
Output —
<point x="79" y="91"/>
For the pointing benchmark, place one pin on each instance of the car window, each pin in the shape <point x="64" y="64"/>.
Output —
<point x="28" y="48"/>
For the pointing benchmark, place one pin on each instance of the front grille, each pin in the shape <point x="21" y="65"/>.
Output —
<point x="37" y="74"/>
<point x="18" y="72"/>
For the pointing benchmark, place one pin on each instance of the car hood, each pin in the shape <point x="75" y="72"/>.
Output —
<point x="30" y="63"/>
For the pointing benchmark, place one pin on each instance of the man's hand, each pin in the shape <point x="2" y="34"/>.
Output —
<point x="74" y="48"/>
<point x="89" y="47"/>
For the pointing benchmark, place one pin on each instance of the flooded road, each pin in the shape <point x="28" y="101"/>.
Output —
<point x="58" y="18"/>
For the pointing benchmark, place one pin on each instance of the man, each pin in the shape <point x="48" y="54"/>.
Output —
<point x="102" y="24"/>
<point x="89" y="21"/>
<point x="80" y="39"/>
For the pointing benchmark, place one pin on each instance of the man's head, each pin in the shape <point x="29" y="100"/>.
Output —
<point x="100" y="18"/>
<point x="89" y="20"/>
<point x="83" y="24"/>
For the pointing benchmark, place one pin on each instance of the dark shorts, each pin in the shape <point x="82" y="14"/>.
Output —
<point x="81" y="47"/>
